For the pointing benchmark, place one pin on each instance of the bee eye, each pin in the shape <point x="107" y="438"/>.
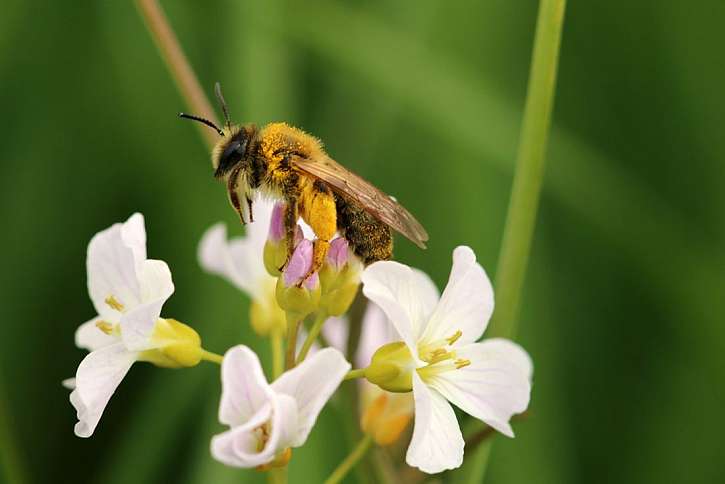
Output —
<point x="230" y="156"/>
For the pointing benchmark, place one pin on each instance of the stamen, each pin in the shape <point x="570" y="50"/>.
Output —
<point x="105" y="327"/>
<point x="454" y="338"/>
<point x="461" y="363"/>
<point x="114" y="303"/>
<point x="439" y="355"/>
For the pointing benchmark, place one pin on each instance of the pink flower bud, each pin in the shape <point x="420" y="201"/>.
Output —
<point x="299" y="265"/>
<point x="337" y="255"/>
<point x="276" y="223"/>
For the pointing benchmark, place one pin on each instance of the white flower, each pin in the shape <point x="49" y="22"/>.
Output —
<point x="241" y="261"/>
<point x="127" y="291"/>
<point x="488" y="380"/>
<point x="265" y="419"/>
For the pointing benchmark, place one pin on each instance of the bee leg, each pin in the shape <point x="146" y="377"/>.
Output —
<point x="291" y="214"/>
<point x="233" y="195"/>
<point x="249" y="206"/>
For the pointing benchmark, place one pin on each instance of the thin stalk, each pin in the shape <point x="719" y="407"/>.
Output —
<point x="352" y="374"/>
<point x="181" y="71"/>
<point x="293" y="326"/>
<point x="277" y="353"/>
<point x="521" y="218"/>
<point x="353" y="458"/>
<point x="312" y="336"/>
<point x="213" y="357"/>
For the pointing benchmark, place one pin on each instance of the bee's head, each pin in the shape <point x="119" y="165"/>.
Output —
<point x="232" y="148"/>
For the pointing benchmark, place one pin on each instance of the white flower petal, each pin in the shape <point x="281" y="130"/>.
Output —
<point x="311" y="384"/>
<point x="495" y="386"/>
<point x="376" y="331"/>
<point x="466" y="304"/>
<point x="239" y="260"/>
<point x="335" y="331"/>
<point x="69" y="383"/>
<point x="401" y="294"/>
<point x="137" y="324"/>
<point x="133" y="234"/>
<point x="225" y="447"/>
<point x="111" y="267"/>
<point x="89" y="337"/>
<point x="244" y="388"/>
<point x="97" y="378"/>
<point x="437" y="443"/>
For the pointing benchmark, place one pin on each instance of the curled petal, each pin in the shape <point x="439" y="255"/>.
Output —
<point x="244" y="388"/>
<point x="276" y="224"/>
<point x="466" y="304"/>
<point x="133" y="234"/>
<point x="495" y="386"/>
<point x="311" y="384"/>
<point x="97" y="378"/>
<point x="437" y="443"/>
<point x="299" y="264"/>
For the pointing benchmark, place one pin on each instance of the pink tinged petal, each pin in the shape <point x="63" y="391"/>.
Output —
<point x="89" y="337"/>
<point x="257" y="231"/>
<point x="495" y="386"/>
<point x="399" y="292"/>
<point x="111" y="267"/>
<point x="299" y="264"/>
<point x="276" y="224"/>
<point x="466" y="304"/>
<point x="337" y="256"/>
<point x="376" y="331"/>
<point x="133" y="234"/>
<point x="437" y="443"/>
<point x="311" y="384"/>
<point x="97" y="378"/>
<point x="244" y="388"/>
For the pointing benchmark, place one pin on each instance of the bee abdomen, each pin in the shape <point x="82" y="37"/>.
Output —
<point x="369" y="238"/>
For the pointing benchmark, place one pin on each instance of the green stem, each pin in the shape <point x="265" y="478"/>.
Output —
<point x="213" y="357"/>
<point x="353" y="458"/>
<point x="529" y="174"/>
<point x="277" y="476"/>
<point x="277" y="353"/>
<point x="352" y="374"/>
<point x="312" y="336"/>
<point x="293" y="326"/>
<point x="521" y="218"/>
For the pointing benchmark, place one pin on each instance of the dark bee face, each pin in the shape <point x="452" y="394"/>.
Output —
<point x="231" y="154"/>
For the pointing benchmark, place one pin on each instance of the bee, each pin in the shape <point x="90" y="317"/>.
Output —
<point x="285" y="163"/>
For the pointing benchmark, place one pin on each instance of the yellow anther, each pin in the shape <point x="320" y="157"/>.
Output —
<point x="461" y="363"/>
<point x="105" y="327"/>
<point x="114" y="303"/>
<point x="439" y="355"/>
<point x="455" y="337"/>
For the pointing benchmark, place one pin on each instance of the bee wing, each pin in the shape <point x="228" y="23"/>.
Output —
<point x="378" y="204"/>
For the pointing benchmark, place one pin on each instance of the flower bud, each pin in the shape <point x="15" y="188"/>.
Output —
<point x="294" y="292"/>
<point x="339" y="278"/>
<point x="391" y="368"/>
<point x="177" y="345"/>
<point x="275" y="249"/>
<point x="266" y="317"/>
<point x="386" y="416"/>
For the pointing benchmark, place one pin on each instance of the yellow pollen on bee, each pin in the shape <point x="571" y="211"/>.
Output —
<point x="454" y="338"/>
<point x="114" y="303"/>
<point x="461" y="363"/>
<point x="105" y="327"/>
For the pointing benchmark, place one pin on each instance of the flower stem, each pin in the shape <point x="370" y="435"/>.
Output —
<point x="312" y="337"/>
<point x="521" y="218"/>
<point x="178" y="65"/>
<point x="213" y="357"/>
<point x="293" y="326"/>
<point x="277" y="353"/>
<point x="352" y="374"/>
<point x="353" y="458"/>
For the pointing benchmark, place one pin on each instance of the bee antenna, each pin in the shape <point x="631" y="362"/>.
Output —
<point x="202" y="121"/>
<point x="218" y="92"/>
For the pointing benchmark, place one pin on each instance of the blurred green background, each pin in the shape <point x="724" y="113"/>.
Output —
<point x="623" y="307"/>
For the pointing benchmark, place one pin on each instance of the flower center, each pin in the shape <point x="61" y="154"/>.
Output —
<point x="262" y="434"/>
<point x="440" y="356"/>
